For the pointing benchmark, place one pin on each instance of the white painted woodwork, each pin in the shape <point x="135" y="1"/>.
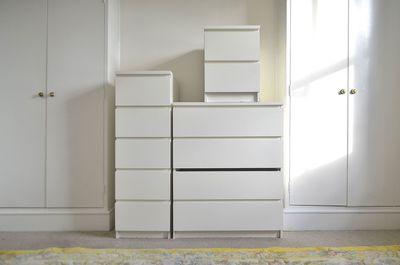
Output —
<point x="242" y="97"/>
<point x="142" y="216"/>
<point x="231" y="77"/>
<point x="232" y="44"/>
<point x="144" y="88"/>
<point x="227" y="121"/>
<point x="318" y="114"/>
<point x="55" y="219"/>
<point x="227" y="185"/>
<point x="75" y="119"/>
<point x="374" y="127"/>
<point x="300" y="218"/>
<point x="142" y="185"/>
<point x="227" y="153"/>
<point x="142" y="153"/>
<point x="228" y="216"/>
<point x="22" y="111"/>
<point x="143" y="122"/>
<point x="364" y="170"/>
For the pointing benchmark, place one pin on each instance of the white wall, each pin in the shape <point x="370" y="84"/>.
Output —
<point x="168" y="35"/>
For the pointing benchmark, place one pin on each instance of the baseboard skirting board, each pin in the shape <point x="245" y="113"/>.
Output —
<point x="40" y="219"/>
<point x="341" y="218"/>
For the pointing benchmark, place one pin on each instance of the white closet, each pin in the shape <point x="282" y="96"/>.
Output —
<point x="344" y="92"/>
<point x="76" y="76"/>
<point x="22" y="111"/>
<point x="53" y="76"/>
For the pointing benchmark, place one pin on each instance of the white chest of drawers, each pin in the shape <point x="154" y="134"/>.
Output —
<point x="231" y="63"/>
<point x="143" y="154"/>
<point x="227" y="161"/>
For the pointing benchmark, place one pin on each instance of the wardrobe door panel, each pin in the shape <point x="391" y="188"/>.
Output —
<point x="374" y="127"/>
<point x="76" y="75"/>
<point x="22" y="111"/>
<point x="318" y="117"/>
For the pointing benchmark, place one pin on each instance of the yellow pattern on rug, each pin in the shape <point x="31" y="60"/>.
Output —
<point x="382" y="255"/>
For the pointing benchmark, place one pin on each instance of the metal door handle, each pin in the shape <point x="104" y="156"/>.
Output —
<point x="51" y="94"/>
<point x="353" y="91"/>
<point x="342" y="91"/>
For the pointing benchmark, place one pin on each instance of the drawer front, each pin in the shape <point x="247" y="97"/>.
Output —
<point x="142" y="153"/>
<point x="228" y="216"/>
<point x="228" y="121"/>
<point x="227" y="153"/>
<point x="139" y="90"/>
<point x="143" y="122"/>
<point x="232" y="45"/>
<point x="232" y="77"/>
<point x="228" y="185"/>
<point x="142" y="216"/>
<point x="142" y="185"/>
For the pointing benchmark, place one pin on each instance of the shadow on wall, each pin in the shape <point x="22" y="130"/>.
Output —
<point x="188" y="70"/>
<point x="75" y="148"/>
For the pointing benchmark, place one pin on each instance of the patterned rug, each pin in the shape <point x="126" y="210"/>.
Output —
<point x="376" y="255"/>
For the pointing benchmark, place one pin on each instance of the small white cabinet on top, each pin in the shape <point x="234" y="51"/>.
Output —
<point x="231" y="63"/>
<point x="143" y="153"/>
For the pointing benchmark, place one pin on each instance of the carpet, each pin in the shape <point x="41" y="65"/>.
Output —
<point x="376" y="255"/>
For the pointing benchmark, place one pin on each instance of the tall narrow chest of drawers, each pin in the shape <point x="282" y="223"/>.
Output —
<point x="143" y="154"/>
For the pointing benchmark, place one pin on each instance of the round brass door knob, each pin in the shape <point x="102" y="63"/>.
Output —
<point x="353" y="91"/>
<point x="51" y="94"/>
<point x="342" y="91"/>
<point x="40" y="94"/>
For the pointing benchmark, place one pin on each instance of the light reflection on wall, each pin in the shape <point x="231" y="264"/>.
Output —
<point x="319" y="52"/>
<point x="329" y="52"/>
<point x="318" y="73"/>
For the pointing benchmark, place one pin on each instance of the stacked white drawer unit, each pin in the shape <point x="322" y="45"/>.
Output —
<point x="143" y="154"/>
<point x="227" y="160"/>
<point x="232" y="67"/>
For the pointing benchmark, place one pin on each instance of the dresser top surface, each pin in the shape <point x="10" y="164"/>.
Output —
<point x="128" y="73"/>
<point x="233" y="27"/>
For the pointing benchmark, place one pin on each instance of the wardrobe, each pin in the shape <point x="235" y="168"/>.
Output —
<point x="344" y="103"/>
<point x="53" y="112"/>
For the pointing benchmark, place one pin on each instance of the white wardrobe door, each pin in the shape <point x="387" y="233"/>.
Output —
<point x="22" y="111"/>
<point x="76" y="73"/>
<point x="318" y="126"/>
<point x="374" y="127"/>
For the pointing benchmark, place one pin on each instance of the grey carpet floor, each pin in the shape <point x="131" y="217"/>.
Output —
<point x="37" y="240"/>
